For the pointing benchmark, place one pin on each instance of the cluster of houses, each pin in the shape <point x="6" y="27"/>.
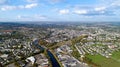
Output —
<point x="64" y="55"/>
<point x="101" y="42"/>
<point x="98" y="41"/>
<point x="38" y="60"/>
<point x="58" y="35"/>
<point x="6" y="32"/>
<point x="14" y="49"/>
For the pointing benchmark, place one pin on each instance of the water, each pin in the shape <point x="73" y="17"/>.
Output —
<point x="52" y="58"/>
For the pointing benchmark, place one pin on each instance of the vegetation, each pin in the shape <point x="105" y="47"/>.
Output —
<point x="75" y="52"/>
<point x="102" y="61"/>
<point x="79" y="39"/>
<point x="45" y="53"/>
<point x="116" y="56"/>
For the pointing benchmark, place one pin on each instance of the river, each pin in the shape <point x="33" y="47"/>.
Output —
<point x="52" y="58"/>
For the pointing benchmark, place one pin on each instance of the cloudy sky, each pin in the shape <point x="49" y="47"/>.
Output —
<point x="59" y="10"/>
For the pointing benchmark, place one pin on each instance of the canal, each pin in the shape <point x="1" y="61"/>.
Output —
<point x="52" y="58"/>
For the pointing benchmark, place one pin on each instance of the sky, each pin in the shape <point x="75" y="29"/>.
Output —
<point x="60" y="10"/>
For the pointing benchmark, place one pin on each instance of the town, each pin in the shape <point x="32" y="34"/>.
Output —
<point x="28" y="45"/>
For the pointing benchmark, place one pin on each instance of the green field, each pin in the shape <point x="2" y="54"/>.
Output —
<point x="105" y="62"/>
<point x="116" y="56"/>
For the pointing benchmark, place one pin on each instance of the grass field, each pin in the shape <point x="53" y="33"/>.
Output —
<point x="105" y="62"/>
<point x="116" y="56"/>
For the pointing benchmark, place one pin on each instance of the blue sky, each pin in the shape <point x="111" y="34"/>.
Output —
<point x="60" y="10"/>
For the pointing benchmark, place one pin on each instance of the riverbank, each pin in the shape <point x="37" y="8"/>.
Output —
<point x="51" y="55"/>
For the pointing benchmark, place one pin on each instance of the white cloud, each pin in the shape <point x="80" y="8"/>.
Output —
<point x="115" y="3"/>
<point x="2" y="1"/>
<point x="21" y="6"/>
<point x="95" y="10"/>
<point x="100" y="8"/>
<point x="38" y="17"/>
<point x="9" y="7"/>
<point x="4" y="8"/>
<point x="80" y="11"/>
<point x="55" y="1"/>
<point x="31" y="1"/>
<point x="31" y="5"/>
<point x="64" y="11"/>
<point x="19" y="17"/>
